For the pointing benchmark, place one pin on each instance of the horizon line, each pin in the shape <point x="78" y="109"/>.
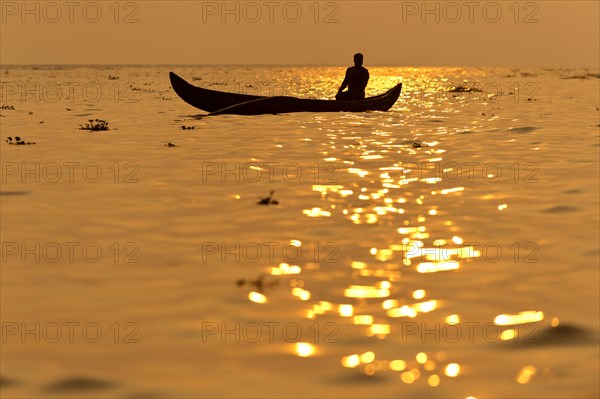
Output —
<point x="293" y="65"/>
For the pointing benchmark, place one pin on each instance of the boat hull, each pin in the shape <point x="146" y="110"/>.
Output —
<point x="219" y="103"/>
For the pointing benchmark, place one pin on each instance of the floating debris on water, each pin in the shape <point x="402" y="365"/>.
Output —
<point x="464" y="89"/>
<point x="95" y="125"/>
<point x="583" y="76"/>
<point x="19" y="141"/>
<point x="183" y="127"/>
<point x="260" y="283"/>
<point x="268" y="200"/>
<point x="169" y="144"/>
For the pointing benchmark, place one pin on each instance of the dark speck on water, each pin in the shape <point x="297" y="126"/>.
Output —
<point x="525" y="129"/>
<point x="14" y="193"/>
<point x="561" y="335"/>
<point x="565" y="334"/>
<point x="7" y="382"/>
<point x="561" y="209"/>
<point x="464" y="89"/>
<point x="573" y="191"/>
<point x="268" y="200"/>
<point x="79" y="384"/>
<point x="260" y="283"/>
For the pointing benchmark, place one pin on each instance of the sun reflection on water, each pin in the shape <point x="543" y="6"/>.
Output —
<point x="382" y="195"/>
<point x="393" y="182"/>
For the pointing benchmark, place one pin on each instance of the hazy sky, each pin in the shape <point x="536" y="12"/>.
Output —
<point x="470" y="33"/>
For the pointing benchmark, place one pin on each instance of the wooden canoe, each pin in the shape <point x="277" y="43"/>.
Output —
<point x="218" y="102"/>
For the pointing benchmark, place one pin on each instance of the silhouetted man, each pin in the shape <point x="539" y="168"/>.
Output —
<point x="356" y="80"/>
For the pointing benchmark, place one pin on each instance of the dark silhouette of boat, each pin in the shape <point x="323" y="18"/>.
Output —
<point x="218" y="102"/>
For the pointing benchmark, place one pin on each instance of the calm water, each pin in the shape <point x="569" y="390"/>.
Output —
<point x="446" y="248"/>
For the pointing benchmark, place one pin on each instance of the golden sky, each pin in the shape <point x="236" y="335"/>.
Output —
<point x="404" y="33"/>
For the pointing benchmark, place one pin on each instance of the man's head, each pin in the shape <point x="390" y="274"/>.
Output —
<point x="358" y="59"/>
